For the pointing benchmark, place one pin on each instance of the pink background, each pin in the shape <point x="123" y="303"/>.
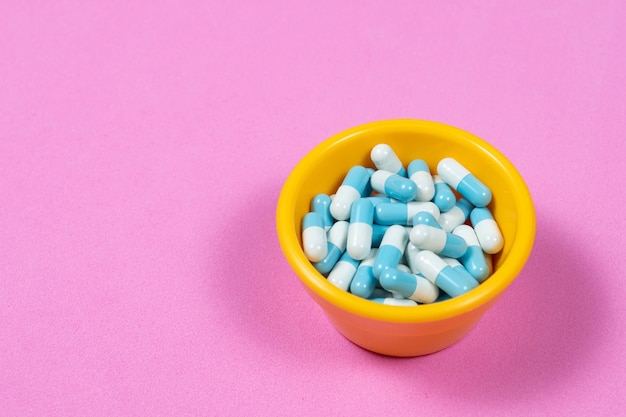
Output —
<point x="142" y="149"/>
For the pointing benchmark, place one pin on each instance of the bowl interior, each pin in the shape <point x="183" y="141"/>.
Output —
<point x="323" y="169"/>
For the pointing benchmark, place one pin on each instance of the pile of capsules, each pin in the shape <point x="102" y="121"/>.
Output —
<point x="401" y="236"/>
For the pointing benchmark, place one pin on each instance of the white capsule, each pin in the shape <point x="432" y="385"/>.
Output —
<point x="487" y="230"/>
<point x="386" y="159"/>
<point x="342" y="273"/>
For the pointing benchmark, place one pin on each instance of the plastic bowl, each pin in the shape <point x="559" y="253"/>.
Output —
<point x="423" y="329"/>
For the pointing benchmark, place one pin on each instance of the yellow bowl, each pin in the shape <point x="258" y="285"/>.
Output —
<point x="394" y="330"/>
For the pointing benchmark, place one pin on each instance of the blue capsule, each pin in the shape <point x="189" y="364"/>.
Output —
<point x="353" y="187"/>
<point x="444" y="197"/>
<point x="424" y="217"/>
<point x="437" y="240"/>
<point x="385" y="158"/>
<point x="391" y="301"/>
<point x="419" y="173"/>
<point x="442" y="275"/>
<point x="378" y="232"/>
<point x="342" y="273"/>
<point x="364" y="282"/>
<point x="391" y="249"/>
<point x="458" y="267"/>
<point x="414" y="287"/>
<point x="360" y="232"/>
<point x="487" y="230"/>
<point x="463" y="181"/>
<point x="314" y="241"/>
<point x="321" y="204"/>
<point x="337" y="237"/>
<point x="473" y="259"/>
<point x="456" y="215"/>
<point x="403" y="213"/>
<point x="393" y="185"/>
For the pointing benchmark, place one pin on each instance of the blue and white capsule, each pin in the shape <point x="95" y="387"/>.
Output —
<point x="337" y="237"/>
<point x="321" y="204"/>
<point x="414" y="287"/>
<point x="385" y="158"/>
<point x="391" y="249"/>
<point x="410" y="252"/>
<point x="314" y="241"/>
<point x="403" y="213"/>
<point x="444" y="196"/>
<point x="378" y="232"/>
<point x="425" y="217"/>
<point x="437" y="240"/>
<point x="360" y="231"/>
<point x="353" y="187"/>
<point x="463" y="181"/>
<point x="393" y="185"/>
<point x="392" y="301"/>
<point x="437" y="271"/>
<point x="342" y="273"/>
<point x="474" y="258"/>
<point x="456" y="215"/>
<point x="364" y="282"/>
<point x="487" y="230"/>
<point x="458" y="267"/>
<point x="419" y="173"/>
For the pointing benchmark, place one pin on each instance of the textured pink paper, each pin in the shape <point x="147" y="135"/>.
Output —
<point x="142" y="149"/>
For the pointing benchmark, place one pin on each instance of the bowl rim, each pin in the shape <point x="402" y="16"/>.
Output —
<point x="485" y="293"/>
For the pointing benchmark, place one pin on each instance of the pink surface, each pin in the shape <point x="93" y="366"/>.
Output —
<point x="142" y="149"/>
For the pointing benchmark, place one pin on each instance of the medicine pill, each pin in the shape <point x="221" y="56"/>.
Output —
<point x="459" y="178"/>
<point x="437" y="240"/>
<point x="360" y="231"/>
<point x="403" y="237"/>
<point x="473" y="259"/>
<point x="351" y="189"/>
<point x="444" y="198"/>
<point x="391" y="249"/>
<point x="342" y="273"/>
<point x="321" y="205"/>
<point x="403" y="213"/>
<point x="336" y="238"/>
<point x="487" y="230"/>
<point x="314" y="240"/>
<point x="384" y="158"/>
<point x="419" y="173"/>
<point x="393" y="185"/>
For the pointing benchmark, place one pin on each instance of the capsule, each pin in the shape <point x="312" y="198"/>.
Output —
<point x="385" y="158"/>
<point x="378" y="232"/>
<point x="457" y="215"/>
<point x="473" y="259"/>
<point x="458" y="267"/>
<point x="364" y="282"/>
<point x="391" y="301"/>
<point x="360" y="231"/>
<point x="437" y="240"/>
<point x="487" y="230"/>
<point x="403" y="213"/>
<point x="353" y="187"/>
<point x="337" y="237"/>
<point x="444" y="197"/>
<point x="462" y="180"/>
<point x="410" y="253"/>
<point x="391" y="249"/>
<point x="342" y="273"/>
<point x="393" y="185"/>
<point x="414" y="287"/>
<point x="314" y="242"/>
<point x="419" y="173"/>
<point x="442" y="275"/>
<point x="321" y="204"/>
<point x="424" y="217"/>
